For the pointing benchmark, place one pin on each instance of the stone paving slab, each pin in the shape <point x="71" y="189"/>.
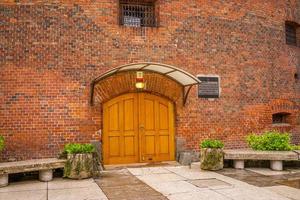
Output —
<point x="148" y="170"/>
<point x="24" y="195"/>
<point x="91" y="192"/>
<point x="191" y="174"/>
<point x="286" y="191"/>
<point x="24" y="186"/>
<point x="58" y="189"/>
<point x="202" y="195"/>
<point x="59" y="183"/>
<point x="169" y="188"/>
<point x="210" y="183"/>
<point x="185" y="189"/>
<point x="250" y="193"/>
<point x="161" y="178"/>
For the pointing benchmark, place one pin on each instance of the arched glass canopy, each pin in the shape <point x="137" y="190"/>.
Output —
<point x="182" y="77"/>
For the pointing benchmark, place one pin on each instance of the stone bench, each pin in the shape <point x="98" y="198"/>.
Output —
<point x="44" y="166"/>
<point x="276" y="158"/>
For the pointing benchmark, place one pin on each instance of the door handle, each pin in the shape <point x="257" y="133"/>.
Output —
<point x="142" y="127"/>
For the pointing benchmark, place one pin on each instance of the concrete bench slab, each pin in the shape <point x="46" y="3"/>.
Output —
<point x="44" y="166"/>
<point x="248" y="154"/>
<point x="275" y="157"/>
<point x="298" y="152"/>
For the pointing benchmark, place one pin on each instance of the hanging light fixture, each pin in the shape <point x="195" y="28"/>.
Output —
<point x="140" y="84"/>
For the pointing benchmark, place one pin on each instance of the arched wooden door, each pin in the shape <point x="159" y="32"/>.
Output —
<point x="138" y="127"/>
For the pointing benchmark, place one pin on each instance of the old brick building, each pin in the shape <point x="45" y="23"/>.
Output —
<point x="245" y="52"/>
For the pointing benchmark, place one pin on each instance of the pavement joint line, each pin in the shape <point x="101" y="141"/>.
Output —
<point x="68" y="188"/>
<point x="23" y="190"/>
<point x="223" y="194"/>
<point x="185" y="178"/>
<point x="229" y="187"/>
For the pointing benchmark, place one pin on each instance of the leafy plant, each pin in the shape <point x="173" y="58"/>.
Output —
<point x="75" y="148"/>
<point x="270" y="141"/>
<point x="295" y="147"/>
<point x="2" y="143"/>
<point x="208" y="143"/>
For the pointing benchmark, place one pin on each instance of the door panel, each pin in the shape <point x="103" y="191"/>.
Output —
<point x="138" y="128"/>
<point x="156" y="128"/>
<point x="120" y="138"/>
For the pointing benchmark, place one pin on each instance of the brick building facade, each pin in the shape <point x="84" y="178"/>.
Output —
<point x="50" y="53"/>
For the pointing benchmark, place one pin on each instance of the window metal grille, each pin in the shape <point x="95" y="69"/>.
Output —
<point x="291" y="34"/>
<point x="209" y="87"/>
<point x="137" y="14"/>
<point x="279" y="118"/>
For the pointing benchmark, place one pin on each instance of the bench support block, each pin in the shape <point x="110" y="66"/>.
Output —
<point x="46" y="175"/>
<point x="239" y="164"/>
<point x="276" y="165"/>
<point x="3" y="180"/>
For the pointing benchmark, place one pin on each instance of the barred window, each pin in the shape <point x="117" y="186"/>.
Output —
<point x="137" y="13"/>
<point x="209" y="87"/>
<point x="279" y="118"/>
<point x="291" y="33"/>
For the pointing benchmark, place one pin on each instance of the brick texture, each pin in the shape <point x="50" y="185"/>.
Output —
<point x="51" y="51"/>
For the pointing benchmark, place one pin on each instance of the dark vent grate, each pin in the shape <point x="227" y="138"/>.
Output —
<point x="290" y="33"/>
<point x="209" y="87"/>
<point x="137" y="14"/>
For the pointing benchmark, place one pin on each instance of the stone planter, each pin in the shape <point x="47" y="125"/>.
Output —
<point x="79" y="166"/>
<point x="211" y="159"/>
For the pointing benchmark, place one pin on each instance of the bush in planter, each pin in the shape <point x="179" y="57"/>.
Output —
<point x="80" y="160"/>
<point x="211" y="154"/>
<point x="212" y="144"/>
<point x="295" y="147"/>
<point x="270" y="141"/>
<point x="2" y="144"/>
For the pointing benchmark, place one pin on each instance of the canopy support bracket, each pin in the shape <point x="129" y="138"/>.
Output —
<point x="92" y="93"/>
<point x="186" y="93"/>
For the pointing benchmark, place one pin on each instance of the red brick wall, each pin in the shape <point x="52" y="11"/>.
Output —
<point x="50" y="53"/>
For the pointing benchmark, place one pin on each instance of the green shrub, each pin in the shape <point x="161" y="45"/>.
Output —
<point x="295" y="147"/>
<point x="2" y="144"/>
<point x="74" y="148"/>
<point x="211" y="144"/>
<point x="270" y="141"/>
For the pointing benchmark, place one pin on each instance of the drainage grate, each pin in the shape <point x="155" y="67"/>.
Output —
<point x="204" y="183"/>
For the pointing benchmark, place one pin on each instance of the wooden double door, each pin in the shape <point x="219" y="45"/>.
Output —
<point x="138" y="127"/>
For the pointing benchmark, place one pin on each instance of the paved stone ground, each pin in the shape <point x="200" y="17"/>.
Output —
<point x="182" y="183"/>
<point x="58" y="189"/>
<point x="163" y="182"/>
